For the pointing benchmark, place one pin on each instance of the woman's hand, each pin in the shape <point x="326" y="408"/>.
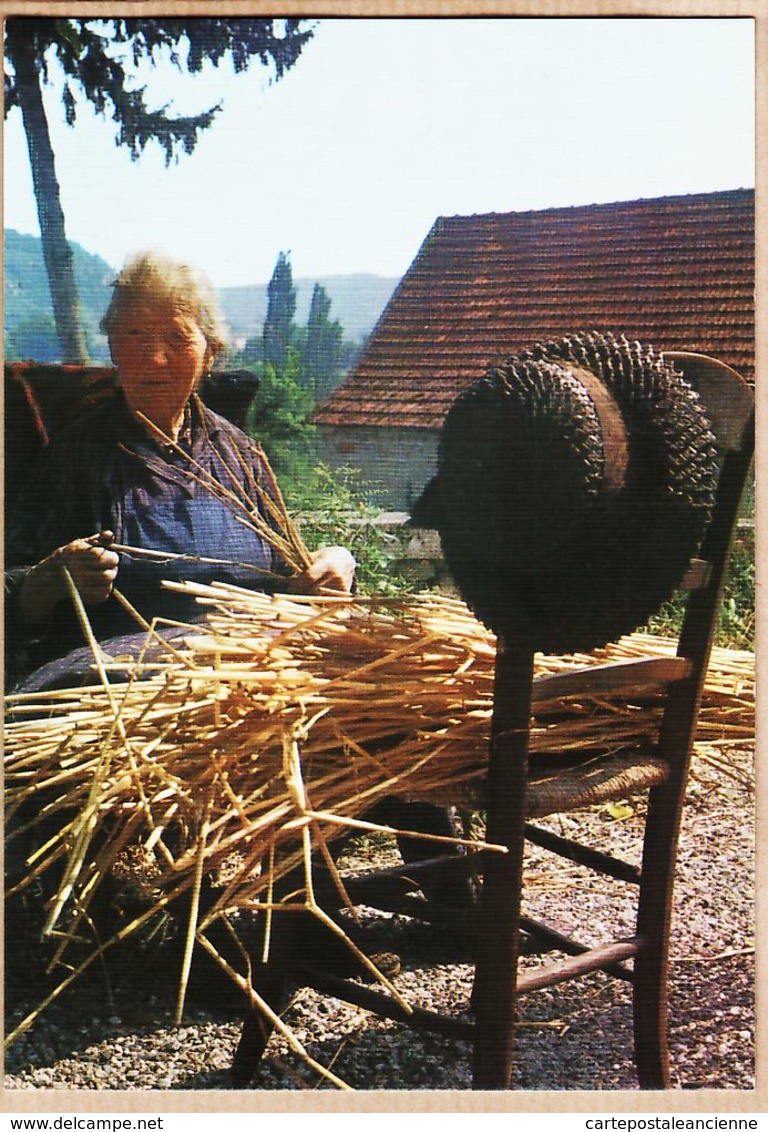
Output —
<point x="91" y="565"/>
<point x="332" y="569"/>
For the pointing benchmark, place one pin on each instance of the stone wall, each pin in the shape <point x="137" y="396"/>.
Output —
<point x="395" y="463"/>
<point x="416" y="551"/>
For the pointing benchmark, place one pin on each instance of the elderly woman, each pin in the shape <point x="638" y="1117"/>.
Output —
<point x="136" y="472"/>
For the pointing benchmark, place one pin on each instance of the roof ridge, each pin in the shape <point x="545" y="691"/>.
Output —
<point x="703" y="197"/>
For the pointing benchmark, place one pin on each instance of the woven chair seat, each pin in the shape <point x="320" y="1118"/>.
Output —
<point x="602" y="780"/>
<point x="555" y="787"/>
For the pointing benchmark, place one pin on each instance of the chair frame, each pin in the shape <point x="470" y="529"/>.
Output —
<point x="514" y="795"/>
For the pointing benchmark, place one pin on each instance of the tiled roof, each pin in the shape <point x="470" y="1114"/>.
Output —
<point x="674" y="272"/>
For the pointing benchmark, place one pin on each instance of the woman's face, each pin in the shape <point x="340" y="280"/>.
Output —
<point x="160" y="354"/>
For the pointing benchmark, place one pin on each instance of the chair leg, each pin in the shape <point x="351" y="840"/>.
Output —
<point x="272" y="986"/>
<point x="494" y="997"/>
<point x="653" y="926"/>
<point x="495" y="993"/>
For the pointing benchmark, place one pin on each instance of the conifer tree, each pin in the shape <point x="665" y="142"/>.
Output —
<point x="322" y="351"/>
<point x="279" y="329"/>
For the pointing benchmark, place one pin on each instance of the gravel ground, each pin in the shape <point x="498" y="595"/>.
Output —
<point x="120" y="1034"/>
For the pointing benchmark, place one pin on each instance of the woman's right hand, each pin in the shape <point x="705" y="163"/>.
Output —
<point x="91" y="565"/>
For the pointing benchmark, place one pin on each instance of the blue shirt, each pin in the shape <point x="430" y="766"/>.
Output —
<point x="107" y="473"/>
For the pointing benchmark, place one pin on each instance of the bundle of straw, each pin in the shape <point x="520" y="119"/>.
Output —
<point x="271" y="731"/>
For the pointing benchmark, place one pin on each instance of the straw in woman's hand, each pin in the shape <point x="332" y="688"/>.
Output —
<point x="197" y="559"/>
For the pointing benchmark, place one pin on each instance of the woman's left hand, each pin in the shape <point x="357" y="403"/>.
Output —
<point x="332" y="569"/>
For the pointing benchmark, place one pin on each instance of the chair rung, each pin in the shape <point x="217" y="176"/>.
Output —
<point x="407" y="873"/>
<point x="599" y="958"/>
<point x="583" y="855"/>
<point x="397" y="889"/>
<point x="384" y="1006"/>
<point x="596" y="959"/>
<point x="556" y="940"/>
<point x="394" y="882"/>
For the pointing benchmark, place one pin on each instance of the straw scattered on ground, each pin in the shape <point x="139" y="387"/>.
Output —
<point x="269" y="733"/>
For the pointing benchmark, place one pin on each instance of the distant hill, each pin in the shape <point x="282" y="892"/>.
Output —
<point x="356" y="301"/>
<point x="28" y="312"/>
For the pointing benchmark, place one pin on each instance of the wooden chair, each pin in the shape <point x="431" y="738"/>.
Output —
<point x="41" y="399"/>
<point x="518" y="794"/>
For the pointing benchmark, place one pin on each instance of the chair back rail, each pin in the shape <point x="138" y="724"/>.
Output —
<point x="644" y="674"/>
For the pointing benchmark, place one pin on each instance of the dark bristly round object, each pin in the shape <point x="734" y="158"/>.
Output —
<point x="574" y="484"/>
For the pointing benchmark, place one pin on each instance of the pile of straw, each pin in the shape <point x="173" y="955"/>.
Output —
<point x="269" y="732"/>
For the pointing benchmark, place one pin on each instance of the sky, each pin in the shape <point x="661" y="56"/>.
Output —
<point x="385" y="124"/>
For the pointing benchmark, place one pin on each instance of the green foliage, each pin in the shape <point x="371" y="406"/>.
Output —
<point x="737" y="620"/>
<point x="737" y="614"/>
<point x="331" y="510"/>
<point x="358" y="301"/>
<point x="319" y="346"/>
<point x="321" y="356"/>
<point x="28" y="311"/>
<point x="279" y="418"/>
<point x="34" y="339"/>
<point x="293" y="364"/>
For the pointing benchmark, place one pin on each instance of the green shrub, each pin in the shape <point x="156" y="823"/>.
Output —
<point x="279" y="418"/>
<point x="330" y="510"/>
<point x="736" y="623"/>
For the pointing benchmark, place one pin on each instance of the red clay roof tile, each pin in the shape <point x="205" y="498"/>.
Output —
<point x="676" y="272"/>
